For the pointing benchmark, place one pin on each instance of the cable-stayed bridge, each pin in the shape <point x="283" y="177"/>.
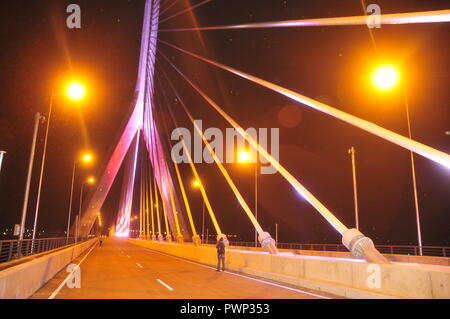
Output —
<point x="168" y="245"/>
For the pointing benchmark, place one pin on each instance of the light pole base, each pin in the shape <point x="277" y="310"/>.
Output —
<point x="180" y="239"/>
<point x="169" y="238"/>
<point x="160" y="237"/>
<point x="362" y="247"/>
<point x="268" y="243"/>
<point x="196" y="240"/>
<point x="153" y="237"/>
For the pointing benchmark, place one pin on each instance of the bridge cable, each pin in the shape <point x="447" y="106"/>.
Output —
<point x="146" y="192"/>
<point x="162" y="190"/>
<point x="162" y="3"/>
<point x="154" y="152"/>
<point x="353" y="239"/>
<point x="150" y="191"/>
<point x="172" y="202"/>
<point x="171" y="197"/>
<point x="197" y="177"/>
<point x="141" y="197"/>
<point x="201" y="187"/>
<point x="412" y="145"/>
<point x="180" y="181"/>
<point x="265" y="239"/>
<point x="167" y="8"/>
<point x="185" y="10"/>
<point x="157" y="206"/>
<point x="392" y="18"/>
<point x="341" y="228"/>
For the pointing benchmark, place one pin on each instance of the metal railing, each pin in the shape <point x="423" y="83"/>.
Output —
<point x="436" y="251"/>
<point x="15" y="249"/>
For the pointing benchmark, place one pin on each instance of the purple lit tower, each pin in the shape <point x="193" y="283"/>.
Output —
<point x="140" y="125"/>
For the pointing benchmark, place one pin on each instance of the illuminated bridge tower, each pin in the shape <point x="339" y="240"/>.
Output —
<point x="141" y="125"/>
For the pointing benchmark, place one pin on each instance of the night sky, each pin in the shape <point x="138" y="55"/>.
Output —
<point x="329" y="64"/>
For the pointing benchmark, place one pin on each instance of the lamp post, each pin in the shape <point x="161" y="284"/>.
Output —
<point x="355" y="191"/>
<point x="86" y="158"/>
<point x="75" y="91"/>
<point x="413" y="174"/>
<point x="244" y="157"/>
<point x="385" y="78"/>
<point x="276" y="234"/>
<point x="196" y="184"/>
<point x="2" y="153"/>
<point x="37" y="119"/>
<point x="90" y="180"/>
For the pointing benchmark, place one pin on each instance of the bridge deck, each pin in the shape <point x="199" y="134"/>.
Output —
<point x="120" y="269"/>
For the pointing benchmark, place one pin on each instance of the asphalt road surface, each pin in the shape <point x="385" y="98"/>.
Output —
<point x="119" y="269"/>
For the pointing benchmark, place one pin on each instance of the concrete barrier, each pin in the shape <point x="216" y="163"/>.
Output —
<point x="431" y="260"/>
<point x="346" y="278"/>
<point x="23" y="280"/>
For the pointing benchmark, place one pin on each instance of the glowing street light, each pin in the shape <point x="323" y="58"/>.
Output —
<point x="196" y="184"/>
<point x="244" y="158"/>
<point x="385" y="77"/>
<point x="76" y="91"/>
<point x="89" y="180"/>
<point x="85" y="158"/>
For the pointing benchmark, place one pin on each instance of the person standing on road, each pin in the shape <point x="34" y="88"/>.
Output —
<point x="220" y="254"/>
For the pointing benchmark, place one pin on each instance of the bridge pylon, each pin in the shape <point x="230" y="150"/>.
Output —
<point x="141" y="123"/>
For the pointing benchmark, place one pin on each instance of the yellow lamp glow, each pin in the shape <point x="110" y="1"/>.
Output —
<point x="91" y="180"/>
<point x="87" y="158"/>
<point x="76" y="91"/>
<point x="196" y="183"/>
<point x="385" y="77"/>
<point x="244" y="157"/>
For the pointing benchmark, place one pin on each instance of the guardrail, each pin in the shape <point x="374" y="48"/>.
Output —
<point x="436" y="251"/>
<point x="15" y="249"/>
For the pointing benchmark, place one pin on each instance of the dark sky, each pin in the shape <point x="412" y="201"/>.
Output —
<point x="328" y="64"/>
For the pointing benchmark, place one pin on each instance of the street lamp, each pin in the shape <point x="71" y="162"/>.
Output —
<point x="243" y="158"/>
<point x="385" y="78"/>
<point x="196" y="184"/>
<point x="37" y="119"/>
<point x="85" y="158"/>
<point x="75" y="91"/>
<point x="89" y="180"/>
<point x="352" y="152"/>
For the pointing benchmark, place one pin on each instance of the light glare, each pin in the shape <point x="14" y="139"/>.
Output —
<point x="87" y="158"/>
<point x="386" y="77"/>
<point x="244" y="157"/>
<point x="76" y="91"/>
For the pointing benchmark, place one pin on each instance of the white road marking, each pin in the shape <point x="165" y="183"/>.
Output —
<point x="164" y="284"/>
<point x="232" y="273"/>
<point x="139" y="265"/>
<point x="53" y="295"/>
